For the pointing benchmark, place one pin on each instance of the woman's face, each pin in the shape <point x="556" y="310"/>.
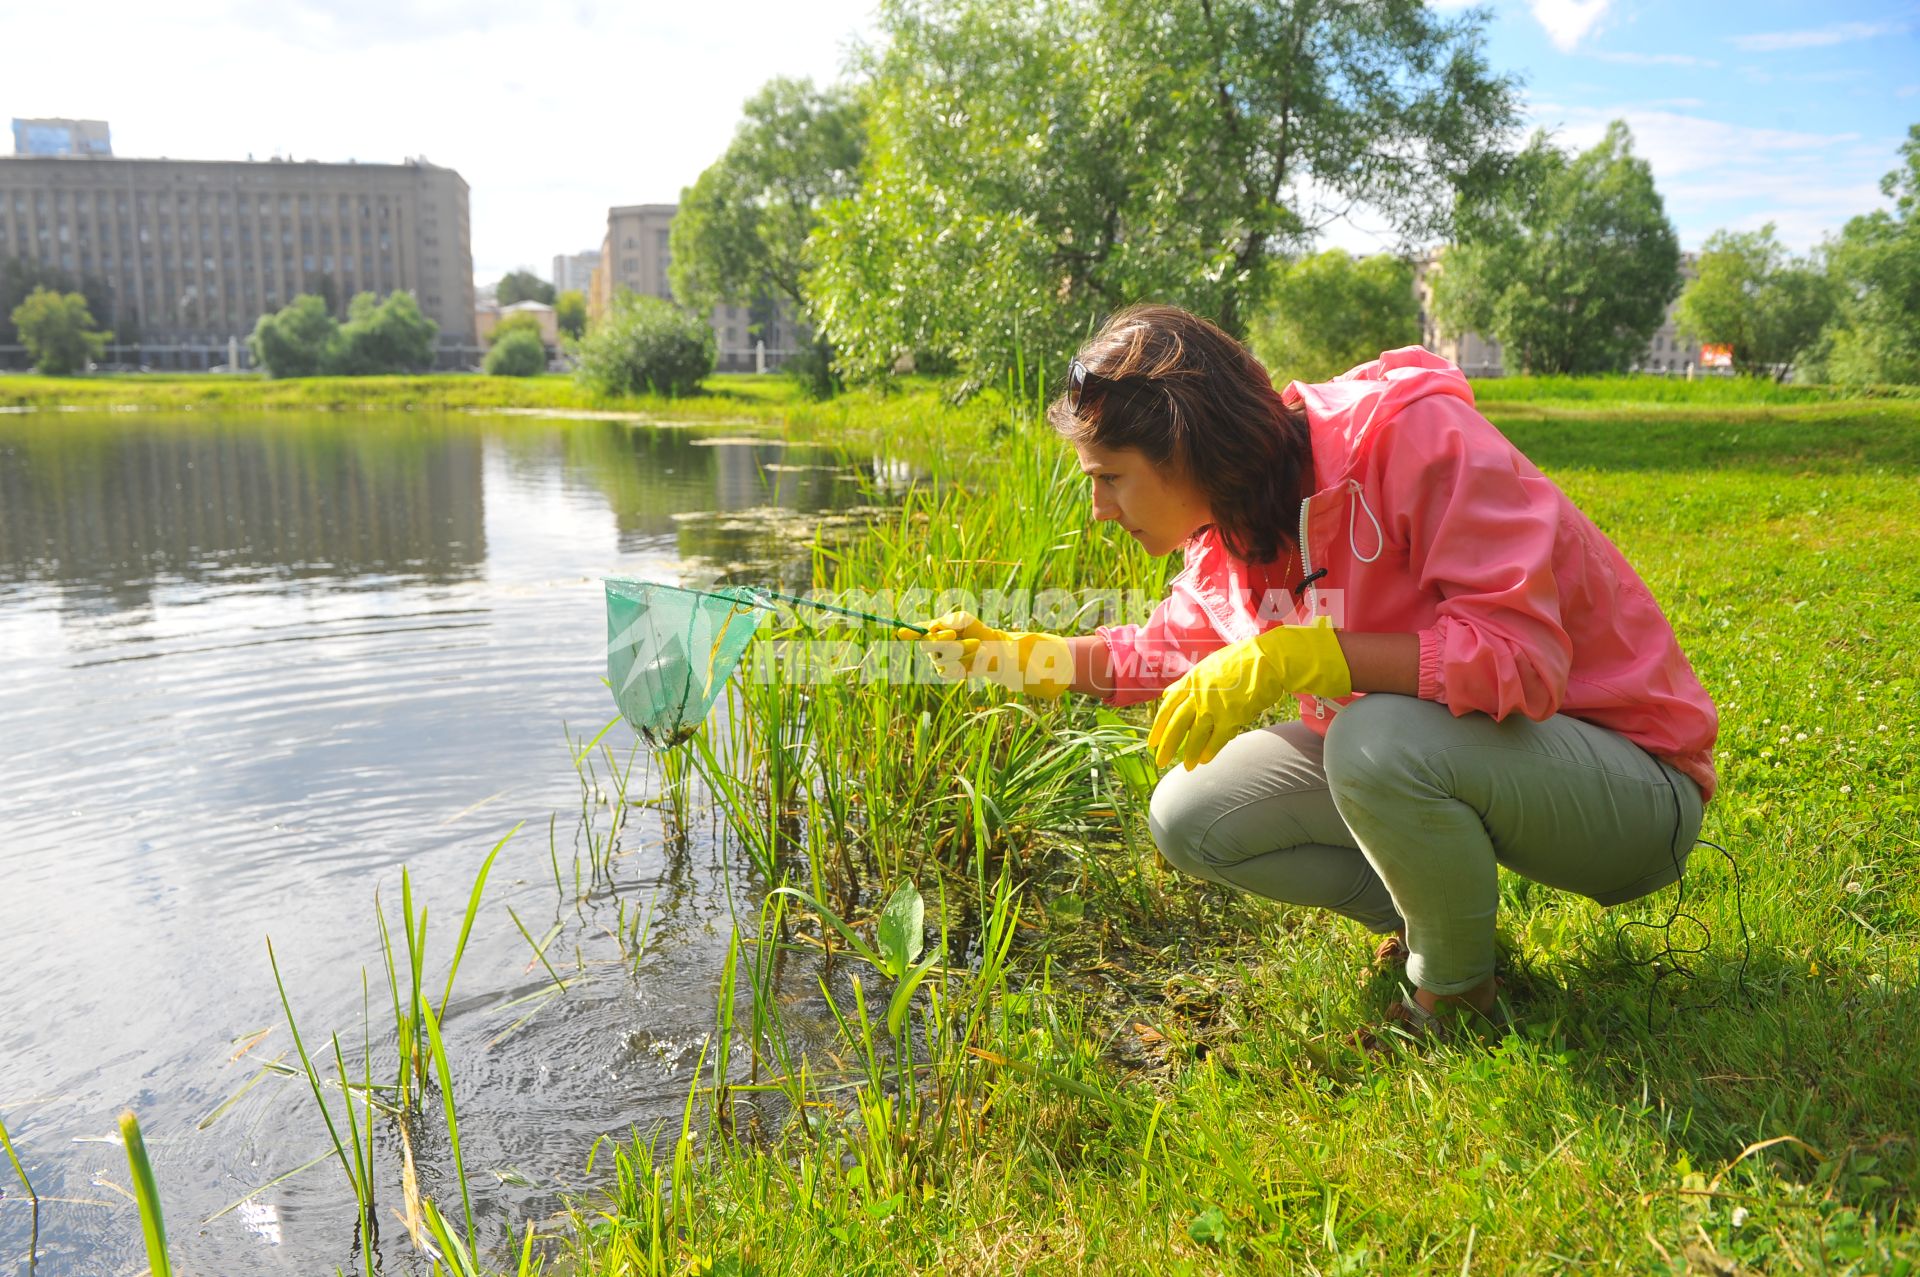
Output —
<point x="1159" y="507"/>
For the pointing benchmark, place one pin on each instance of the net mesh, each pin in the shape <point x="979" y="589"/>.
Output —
<point x="670" y="652"/>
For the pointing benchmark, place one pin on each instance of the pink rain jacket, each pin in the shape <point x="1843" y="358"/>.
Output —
<point x="1426" y="520"/>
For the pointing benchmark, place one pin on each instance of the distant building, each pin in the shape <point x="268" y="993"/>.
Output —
<point x="573" y="272"/>
<point x="62" y="137"/>
<point x="193" y="252"/>
<point x="488" y="317"/>
<point x="635" y="257"/>
<point x="1479" y="356"/>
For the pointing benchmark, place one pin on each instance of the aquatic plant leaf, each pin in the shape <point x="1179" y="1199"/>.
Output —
<point x="901" y="933"/>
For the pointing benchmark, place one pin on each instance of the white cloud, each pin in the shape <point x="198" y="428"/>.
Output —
<point x="1712" y="174"/>
<point x="1655" y="59"/>
<point x="1567" y="21"/>
<point x="552" y="110"/>
<point x="1906" y="90"/>
<point x="1818" y="37"/>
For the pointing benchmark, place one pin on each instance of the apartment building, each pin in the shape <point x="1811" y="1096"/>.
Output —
<point x="635" y="257"/>
<point x="1479" y="356"/>
<point x="193" y="252"/>
<point x="573" y="272"/>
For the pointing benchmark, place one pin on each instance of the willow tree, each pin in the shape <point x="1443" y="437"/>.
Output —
<point x="1033" y="166"/>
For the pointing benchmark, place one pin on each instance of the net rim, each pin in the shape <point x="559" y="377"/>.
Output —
<point x="739" y="595"/>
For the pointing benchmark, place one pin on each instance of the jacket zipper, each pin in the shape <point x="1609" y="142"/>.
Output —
<point x="1313" y="591"/>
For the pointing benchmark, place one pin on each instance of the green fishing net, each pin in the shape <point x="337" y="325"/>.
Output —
<point x="670" y="652"/>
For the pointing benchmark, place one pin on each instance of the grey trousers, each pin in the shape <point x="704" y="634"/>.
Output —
<point x="1401" y="816"/>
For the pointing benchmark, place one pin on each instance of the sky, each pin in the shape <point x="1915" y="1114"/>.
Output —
<point x="553" y="111"/>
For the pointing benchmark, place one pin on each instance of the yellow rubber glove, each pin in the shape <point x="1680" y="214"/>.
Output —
<point x="964" y="646"/>
<point x="1220" y="697"/>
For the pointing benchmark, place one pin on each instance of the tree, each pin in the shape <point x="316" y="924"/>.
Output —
<point x="742" y="229"/>
<point x="1329" y="312"/>
<point x="1569" y="264"/>
<point x="1033" y="166"/>
<point x="1875" y="265"/>
<point x="384" y="336"/>
<point x="324" y="287"/>
<point x="647" y="345"/>
<point x="570" y="313"/>
<point x="298" y="340"/>
<point x="20" y="277"/>
<point x="1750" y="294"/>
<point x="58" y="331"/>
<point x="523" y="286"/>
<point x="519" y="354"/>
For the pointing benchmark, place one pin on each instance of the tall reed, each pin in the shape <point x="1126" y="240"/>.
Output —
<point x="33" y="1198"/>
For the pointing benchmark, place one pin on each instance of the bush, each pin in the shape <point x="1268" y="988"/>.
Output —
<point x="58" y="331"/>
<point x="518" y="354"/>
<point x="297" y="340"/>
<point x="303" y="339"/>
<point x="647" y="346"/>
<point x="384" y="336"/>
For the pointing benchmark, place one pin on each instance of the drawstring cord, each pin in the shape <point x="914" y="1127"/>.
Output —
<point x="1353" y="511"/>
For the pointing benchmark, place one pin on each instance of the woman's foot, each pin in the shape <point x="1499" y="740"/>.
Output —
<point x="1424" y="1014"/>
<point x="1482" y="997"/>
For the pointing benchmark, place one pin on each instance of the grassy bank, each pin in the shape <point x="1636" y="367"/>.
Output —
<point x="776" y="397"/>
<point x="725" y="395"/>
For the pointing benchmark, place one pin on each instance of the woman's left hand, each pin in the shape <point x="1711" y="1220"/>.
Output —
<point x="1220" y="697"/>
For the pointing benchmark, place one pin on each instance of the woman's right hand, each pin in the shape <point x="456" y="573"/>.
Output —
<point x="964" y="646"/>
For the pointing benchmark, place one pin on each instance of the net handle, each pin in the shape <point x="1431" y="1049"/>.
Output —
<point x="896" y="622"/>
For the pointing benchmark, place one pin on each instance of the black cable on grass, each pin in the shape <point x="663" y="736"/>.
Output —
<point x="1668" y="960"/>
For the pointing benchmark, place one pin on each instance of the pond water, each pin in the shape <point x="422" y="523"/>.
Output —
<point x="250" y="668"/>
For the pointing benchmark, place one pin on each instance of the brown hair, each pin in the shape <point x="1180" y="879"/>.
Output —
<point x="1191" y="397"/>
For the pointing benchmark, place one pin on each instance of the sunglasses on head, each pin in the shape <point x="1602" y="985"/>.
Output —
<point x="1081" y="378"/>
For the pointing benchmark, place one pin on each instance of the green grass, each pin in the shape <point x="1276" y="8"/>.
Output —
<point x="1163" y="1077"/>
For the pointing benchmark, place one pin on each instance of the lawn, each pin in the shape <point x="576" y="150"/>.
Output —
<point x="1164" y="1078"/>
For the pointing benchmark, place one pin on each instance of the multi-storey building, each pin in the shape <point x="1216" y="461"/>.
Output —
<point x="1479" y="356"/>
<point x="635" y="257"/>
<point x="193" y="252"/>
<point x="573" y="272"/>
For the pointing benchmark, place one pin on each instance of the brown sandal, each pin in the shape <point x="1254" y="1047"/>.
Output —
<point x="1392" y="951"/>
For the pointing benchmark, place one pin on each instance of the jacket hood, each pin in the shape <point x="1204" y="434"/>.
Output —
<point x="1342" y="411"/>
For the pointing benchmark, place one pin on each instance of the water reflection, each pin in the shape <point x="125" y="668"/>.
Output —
<point x="250" y="668"/>
<point x="104" y="510"/>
